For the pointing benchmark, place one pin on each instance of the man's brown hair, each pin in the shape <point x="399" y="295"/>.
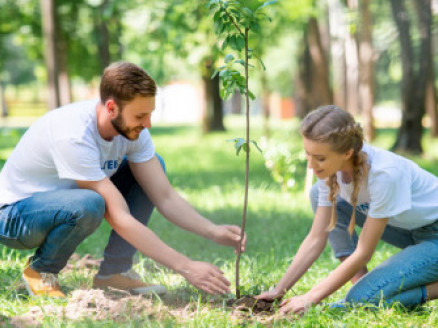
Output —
<point x="123" y="81"/>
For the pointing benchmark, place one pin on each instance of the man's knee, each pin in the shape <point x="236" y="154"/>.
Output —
<point x="91" y="210"/>
<point x="163" y="164"/>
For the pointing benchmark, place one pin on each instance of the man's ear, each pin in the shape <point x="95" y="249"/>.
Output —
<point x="111" y="107"/>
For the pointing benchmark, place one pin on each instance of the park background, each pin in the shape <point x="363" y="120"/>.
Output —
<point x="375" y="59"/>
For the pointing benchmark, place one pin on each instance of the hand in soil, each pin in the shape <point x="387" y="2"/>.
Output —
<point x="296" y="304"/>
<point x="270" y="296"/>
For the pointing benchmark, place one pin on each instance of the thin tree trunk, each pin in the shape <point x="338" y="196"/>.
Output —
<point x="49" y="32"/>
<point x="3" y="100"/>
<point x="337" y="31"/>
<point x="366" y="76"/>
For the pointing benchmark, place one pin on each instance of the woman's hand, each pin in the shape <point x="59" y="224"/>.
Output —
<point x="271" y="295"/>
<point x="296" y="304"/>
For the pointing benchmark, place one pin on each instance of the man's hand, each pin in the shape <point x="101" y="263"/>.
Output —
<point x="207" y="277"/>
<point x="228" y="235"/>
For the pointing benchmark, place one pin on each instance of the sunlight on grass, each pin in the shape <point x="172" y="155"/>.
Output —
<point x="206" y="171"/>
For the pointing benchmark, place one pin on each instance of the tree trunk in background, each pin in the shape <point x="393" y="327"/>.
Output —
<point x="236" y="103"/>
<point x="266" y="106"/>
<point x="65" y="94"/>
<point x="49" y="33"/>
<point x="431" y="103"/>
<point x="339" y="65"/>
<point x="313" y="88"/>
<point x="352" y="63"/>
<point x="4" y="105"/>
<point x="212" y="113"/>
<point x="102" y="36"/>
<point x="413" y="85"/>
<point x="366" y="70"/>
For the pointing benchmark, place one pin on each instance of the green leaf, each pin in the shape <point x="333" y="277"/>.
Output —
<point x="256" y="145"/>
<point x="251" y="95"/>
<point x="240" y="43"/>
<point x="229" y="58"/>
<point x="214" y="73"/>
<point x="248" y="11"/>
<point x="240" y="61"/>
<point x="238" y="144"/>
<point x="261" y="63"/>
<point x="267" y="3"/>
<point x="222" y="93"/>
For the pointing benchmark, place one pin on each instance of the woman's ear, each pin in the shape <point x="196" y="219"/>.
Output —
<point x="348" y="154"/>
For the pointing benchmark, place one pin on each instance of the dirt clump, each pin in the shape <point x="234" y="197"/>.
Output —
<point x="251" y="304"/>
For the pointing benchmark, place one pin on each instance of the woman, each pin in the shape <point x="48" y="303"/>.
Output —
<point x="395" y="200"/>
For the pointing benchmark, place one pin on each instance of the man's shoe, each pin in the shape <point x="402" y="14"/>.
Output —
<point x="128" y="281"/>
<point x="41" y="283"/>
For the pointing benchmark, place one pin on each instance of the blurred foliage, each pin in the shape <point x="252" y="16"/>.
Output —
<point x="174" y="39"/>
<point x="285" y="158"/>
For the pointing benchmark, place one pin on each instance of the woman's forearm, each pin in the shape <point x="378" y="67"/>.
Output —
<point x="307" y="254"/>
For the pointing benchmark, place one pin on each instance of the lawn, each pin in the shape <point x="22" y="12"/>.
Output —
<point x="206" y="171"/>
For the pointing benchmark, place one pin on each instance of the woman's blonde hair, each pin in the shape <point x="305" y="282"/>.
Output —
<point x="332" y="125"/>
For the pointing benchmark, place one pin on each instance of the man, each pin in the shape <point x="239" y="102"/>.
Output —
<point x="95" y="159"/>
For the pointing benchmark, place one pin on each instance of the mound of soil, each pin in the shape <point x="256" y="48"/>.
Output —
<point x="249" y="303"/>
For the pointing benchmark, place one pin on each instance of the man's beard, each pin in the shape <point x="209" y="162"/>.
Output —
<point x="120" y="126"/>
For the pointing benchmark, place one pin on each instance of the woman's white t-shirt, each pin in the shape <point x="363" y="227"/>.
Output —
<point x="63" y="146"/>
<point x="396" y="188"/>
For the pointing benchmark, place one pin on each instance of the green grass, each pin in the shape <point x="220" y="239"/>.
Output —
<point x="205" y="170"/>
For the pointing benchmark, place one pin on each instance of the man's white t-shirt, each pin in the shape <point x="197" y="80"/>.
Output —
<point x="63" y="146"/>
<point x="396" y="188"/>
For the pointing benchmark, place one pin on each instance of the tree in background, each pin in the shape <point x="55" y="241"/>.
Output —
<point x="416" y="72"/>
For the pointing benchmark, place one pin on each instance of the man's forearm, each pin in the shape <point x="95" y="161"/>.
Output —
<point x="179" y="212"/>
<point x="149" y="244"/>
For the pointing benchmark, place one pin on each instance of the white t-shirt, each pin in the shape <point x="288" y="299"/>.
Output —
<point x="396" y="188"/>
<point x="63" y="146"/>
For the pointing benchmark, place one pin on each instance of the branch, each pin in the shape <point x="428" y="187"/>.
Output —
<point x="232" y="20"/>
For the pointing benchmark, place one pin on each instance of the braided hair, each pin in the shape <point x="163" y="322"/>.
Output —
<point x="330" y="124"/>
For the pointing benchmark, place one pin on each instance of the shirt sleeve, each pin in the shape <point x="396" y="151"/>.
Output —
<point x="141" y="150"/>
<point x="77" y="160"/>
<point x="390" y="193"/>
<point x="323" y="194"/>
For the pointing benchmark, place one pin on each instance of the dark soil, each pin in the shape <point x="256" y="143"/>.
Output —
<point x="249" y="303"/>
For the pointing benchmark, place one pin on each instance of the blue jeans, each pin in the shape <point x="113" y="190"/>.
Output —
<point x="56" y="222"/>
<point x="401" y="278"/>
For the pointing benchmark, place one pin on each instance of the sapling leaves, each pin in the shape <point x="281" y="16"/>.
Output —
<point x="235" y="19"/>
<point x="240" y="143"/>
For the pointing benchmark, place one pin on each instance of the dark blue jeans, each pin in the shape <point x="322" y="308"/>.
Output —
<point x="402" y="277"/>
<point x="56" y="222"/>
